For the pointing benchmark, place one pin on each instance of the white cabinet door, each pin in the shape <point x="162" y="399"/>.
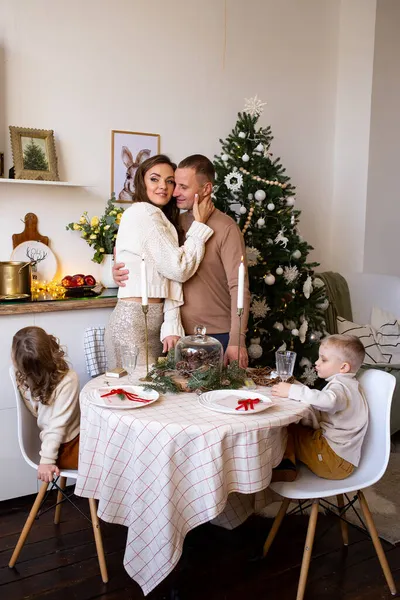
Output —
<point x="16" y="477"/>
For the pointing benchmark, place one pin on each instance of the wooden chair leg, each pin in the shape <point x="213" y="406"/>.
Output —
<point x="312" y="523"/>
<point x="60" y="497"/>
<point x="28" y="524"/>
<point x="98" y="540"/>
<point x="275" y="525"/>
<point x="377" y="543"/>
<point x="343" y="525"/>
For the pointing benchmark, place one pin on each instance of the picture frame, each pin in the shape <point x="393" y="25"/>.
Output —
<point x="34" y="153"/>
<point x="128" y="150"/>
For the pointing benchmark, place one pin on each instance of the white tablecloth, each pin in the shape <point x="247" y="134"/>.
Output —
<point x="163" y="469"/>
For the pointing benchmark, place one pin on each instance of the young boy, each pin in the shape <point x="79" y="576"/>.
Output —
<point x="333" y="450"/>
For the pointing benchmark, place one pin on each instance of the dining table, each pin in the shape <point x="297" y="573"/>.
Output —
<point x="164" y="468"/>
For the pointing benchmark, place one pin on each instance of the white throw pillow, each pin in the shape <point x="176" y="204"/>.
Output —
<point x="367" y="335"/>
<point x="387" y="334"/>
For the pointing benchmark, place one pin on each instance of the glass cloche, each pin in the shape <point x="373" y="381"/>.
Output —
<point x="198" y="351"/>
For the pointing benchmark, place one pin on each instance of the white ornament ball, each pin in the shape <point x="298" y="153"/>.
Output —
<point x="242" y="134"/>
<point x="260" y="195"/>
<point x="245" y="158"/>
<point x="235" y="169"/>
<point x="225" y="157"/>
<point x="260" y="147"/>
<point x="271" y="206"/>
<point x="278" y="326"/>
<point x="261" y="222"/>
<point x="279" y="271"/>
<point x="269" y="279"/>
<point x="290" y="201"/>
<point x="296" y="254"/>
<point x="295" y="332"/>
<point x="243" y="210"/>
<point x="255" y="351"/>
<point x="249" y="196"/>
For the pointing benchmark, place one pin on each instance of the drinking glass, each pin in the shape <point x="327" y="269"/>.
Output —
<point x="129" y="355"/>
<point x="285" y="361"/>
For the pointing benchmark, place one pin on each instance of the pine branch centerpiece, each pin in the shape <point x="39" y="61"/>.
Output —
<point x="288" y="300"/>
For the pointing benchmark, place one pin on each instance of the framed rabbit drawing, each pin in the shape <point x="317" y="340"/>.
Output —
<point x="128" y="150"/>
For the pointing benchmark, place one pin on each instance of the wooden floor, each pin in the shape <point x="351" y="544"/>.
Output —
<point x="59" y="562"/>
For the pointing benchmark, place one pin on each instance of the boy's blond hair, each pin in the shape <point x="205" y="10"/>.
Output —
<point x="349" y="347"/>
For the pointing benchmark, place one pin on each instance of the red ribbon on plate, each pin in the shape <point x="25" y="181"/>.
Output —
<point x="128" y="395"/>
<point x="247" y="403"/>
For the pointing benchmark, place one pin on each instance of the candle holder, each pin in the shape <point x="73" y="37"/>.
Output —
<point x="240" y="314"/>
<point x="145" y="310"/>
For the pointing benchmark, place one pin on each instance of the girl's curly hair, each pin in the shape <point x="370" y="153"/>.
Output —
<point x="39" y="362"/>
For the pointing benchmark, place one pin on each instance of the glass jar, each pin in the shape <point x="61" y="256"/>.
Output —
<point x="198" y="352"/>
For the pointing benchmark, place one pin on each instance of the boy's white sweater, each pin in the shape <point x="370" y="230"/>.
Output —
<point x="59" y="420"/>
<point x="343" y="414"/>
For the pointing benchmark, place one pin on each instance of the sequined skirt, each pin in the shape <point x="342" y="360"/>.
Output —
<point x="126" y="327"/>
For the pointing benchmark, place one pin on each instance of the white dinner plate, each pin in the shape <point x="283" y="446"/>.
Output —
<point x="45" y="268"/>
<point x="114" y="401"/>
<point x="227" y="401"/>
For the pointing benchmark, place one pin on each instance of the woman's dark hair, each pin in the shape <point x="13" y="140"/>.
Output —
<point x="170" y="210"/>
<point x="39" y="362"/>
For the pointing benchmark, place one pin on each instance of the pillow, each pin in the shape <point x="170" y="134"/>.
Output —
<point x="387" y="334"/>
<point x="366" y="333"/>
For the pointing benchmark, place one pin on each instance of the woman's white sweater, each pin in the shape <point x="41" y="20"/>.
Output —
<point x="145" y="231"/>
<point x="59" y="420"/>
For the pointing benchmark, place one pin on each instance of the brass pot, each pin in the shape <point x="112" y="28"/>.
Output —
<point x="15" y="278"/>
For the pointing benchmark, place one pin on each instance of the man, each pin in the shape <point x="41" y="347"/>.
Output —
<point x="210" y="296"/>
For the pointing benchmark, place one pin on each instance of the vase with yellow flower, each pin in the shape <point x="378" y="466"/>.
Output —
<point x="100" y="233"/>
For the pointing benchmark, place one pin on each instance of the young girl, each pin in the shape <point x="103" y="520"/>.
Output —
<point x="51" y="392"/>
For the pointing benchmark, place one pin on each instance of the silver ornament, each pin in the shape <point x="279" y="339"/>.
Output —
<point x="271" y="206"/>
<point x="260" y="195"/>
<point x="243" y="210"/>
<point x="261" y="222"/>
<point x="245" y="158"/>
<point x="290" y="201"/>
<point x="255" y="351"/>
<point x="225" y="157"/>
<point x="296" y="254"/>
<point x="242" y="135"/>
<point x="295" y="332"/>
<point x="269" y="279"/>
<point x="279" y="271"/>
<point x="260" y="147"/>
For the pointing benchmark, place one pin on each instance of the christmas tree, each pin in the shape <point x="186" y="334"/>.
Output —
<point x="35" y="158"/>
<point x="287" y="300"/>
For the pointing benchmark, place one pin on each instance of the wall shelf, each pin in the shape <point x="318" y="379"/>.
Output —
<point x="41" y="182"/>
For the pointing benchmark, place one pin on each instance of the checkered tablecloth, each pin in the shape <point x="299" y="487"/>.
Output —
<point x="163" y="469"/>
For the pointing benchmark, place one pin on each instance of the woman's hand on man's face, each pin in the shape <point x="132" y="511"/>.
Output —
<point x="203" y="210"/>
<point x="120" y="274"/>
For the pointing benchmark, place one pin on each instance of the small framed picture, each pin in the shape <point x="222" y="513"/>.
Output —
<point x="128" y="150"/>
<point x="34" y="153"/>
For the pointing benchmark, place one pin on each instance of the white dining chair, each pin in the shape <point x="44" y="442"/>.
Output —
<point x="29" y="443"/>
<point x="378" y="387"/>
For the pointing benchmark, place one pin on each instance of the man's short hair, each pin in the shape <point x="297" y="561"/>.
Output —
<point x="349" y="347"/>
<point x="201" y="164"/>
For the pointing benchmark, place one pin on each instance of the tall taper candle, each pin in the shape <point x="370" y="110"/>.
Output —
<point x="143" y="282"/>
<point x="240" y="296"/>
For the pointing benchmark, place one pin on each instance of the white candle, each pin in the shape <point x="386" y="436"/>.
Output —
<point x="240" y="297"/>
<point x="143" y="282"/>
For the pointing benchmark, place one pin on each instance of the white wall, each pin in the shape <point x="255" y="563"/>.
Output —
<point x="382" y="245"/>
<point x="352" y="119"/>
<point x="84" y="68"/>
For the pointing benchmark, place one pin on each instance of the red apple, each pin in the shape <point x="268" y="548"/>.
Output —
<point x="78" y="280"/>
<point x="90" y="280"/>
<point x="66" y="281"/>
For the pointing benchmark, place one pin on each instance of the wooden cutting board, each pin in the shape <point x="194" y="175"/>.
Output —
<point x="30" y="232"/>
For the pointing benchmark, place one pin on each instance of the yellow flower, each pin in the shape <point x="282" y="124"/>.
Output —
<point x="82" y="220"/>
<point x="106" y="227"/>
<point x="94" y="221"/>
<point x="93" y="237"/>
<point x="97" y="230"/>
<point x="84" y="234"/>
<point x="101" y="249"/>
<point x="76" y="227"/>
<point x="113" y="212"/>
<point x="118" y="219"/>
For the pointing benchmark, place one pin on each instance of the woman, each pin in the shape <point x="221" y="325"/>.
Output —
<point x="148" y="230"/>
